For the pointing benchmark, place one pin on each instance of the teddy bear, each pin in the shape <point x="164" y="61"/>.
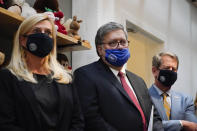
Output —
<point x="8" y="4"/>
<point x="22" y="8"/>
<point x="51" y="6"/>
<point x="15" y="9"/>
<point x="58" y="16"/>
<point x="74" y="27"/>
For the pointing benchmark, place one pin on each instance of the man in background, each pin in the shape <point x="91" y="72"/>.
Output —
<point x="175" y="109"/>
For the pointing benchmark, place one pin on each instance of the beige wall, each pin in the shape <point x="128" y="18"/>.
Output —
<point x="142" y="49"/>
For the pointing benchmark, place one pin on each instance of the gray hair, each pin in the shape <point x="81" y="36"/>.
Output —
<point x="156" y="61"/>
<point x="106" y="28"/>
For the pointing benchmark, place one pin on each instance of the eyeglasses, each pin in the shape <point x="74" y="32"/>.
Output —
<point x="116" y="43"/>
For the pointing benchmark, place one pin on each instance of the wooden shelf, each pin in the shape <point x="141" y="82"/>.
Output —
<point x="9" y="22"/>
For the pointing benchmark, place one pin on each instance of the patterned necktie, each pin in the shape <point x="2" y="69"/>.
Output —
<point x="166" y="105"/>
<point x="133" y="98"/>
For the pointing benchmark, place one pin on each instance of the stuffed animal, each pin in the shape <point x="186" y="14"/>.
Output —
<point x="2" y="4"/>
<point x="58" y="16"/>
<point x="74" y="27"/>
<point x="25" y="8"/>
<point x="15" y="9"/>
<point x="41" y="5"/>
<point x="2" y="58"/>
<point x="5" y="3"/>
<point x="51" y="6"/>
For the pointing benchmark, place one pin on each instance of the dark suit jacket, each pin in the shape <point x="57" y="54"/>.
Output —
<point x="106" y="105"/>
<point x="18" y="110"/>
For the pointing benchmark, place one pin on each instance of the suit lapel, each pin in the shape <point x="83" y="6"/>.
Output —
<point x="118" y="85"/>
<point x="175" y="100"/>
<point x="105" y="71"/>
<point x="138" y="92"/>
<point x="158" y="101"/>
<point x="26" y="88"/>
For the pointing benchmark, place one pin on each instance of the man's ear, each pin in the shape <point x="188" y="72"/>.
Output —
<point x="154" y="71"/>
<point x="99" y="49"/>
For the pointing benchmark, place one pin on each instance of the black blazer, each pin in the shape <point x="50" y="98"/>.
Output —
<point x="18" y="110"/>
<point x="106" y="105"/>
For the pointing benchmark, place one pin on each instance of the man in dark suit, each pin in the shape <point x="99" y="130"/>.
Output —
<point x="112" y="98"/>
<point x="176" y="109"/>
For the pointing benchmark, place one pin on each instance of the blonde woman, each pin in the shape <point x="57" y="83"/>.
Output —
<point x="35" y="91"/>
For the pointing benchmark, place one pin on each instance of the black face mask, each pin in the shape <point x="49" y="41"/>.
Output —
<point x="39" y="44"/>
<point x="167" y="77"/>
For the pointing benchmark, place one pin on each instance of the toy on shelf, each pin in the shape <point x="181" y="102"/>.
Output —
<point x="74" y="27"/>
<point x="21" y="7"/>
<point x="41" y="5"/>
<point x="63" y="60"/>
<point x="58" y="16"/>
<point x="5" y="3"/>
<point x="15" y="9"/>
<point x="51" y="6"/>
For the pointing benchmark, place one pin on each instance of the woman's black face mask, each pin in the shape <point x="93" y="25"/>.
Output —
<point x="39" y="44"/>
<point x="167" y="77"/>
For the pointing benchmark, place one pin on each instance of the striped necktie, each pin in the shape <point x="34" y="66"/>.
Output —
<point x="166" y="105"/>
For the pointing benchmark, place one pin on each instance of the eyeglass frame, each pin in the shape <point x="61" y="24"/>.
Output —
<point x="117" y="43"/>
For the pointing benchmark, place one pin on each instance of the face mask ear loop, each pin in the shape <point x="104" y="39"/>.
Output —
<point x="21" y="44"/>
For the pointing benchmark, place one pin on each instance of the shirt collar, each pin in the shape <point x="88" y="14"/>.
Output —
<point x="115" y="72"/>
<point x="160" y="92"/>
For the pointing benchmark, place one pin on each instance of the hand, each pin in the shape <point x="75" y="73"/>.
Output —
<point x="189" y="126"/>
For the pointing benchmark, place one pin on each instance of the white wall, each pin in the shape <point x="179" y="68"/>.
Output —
<point x="173" y="21"/>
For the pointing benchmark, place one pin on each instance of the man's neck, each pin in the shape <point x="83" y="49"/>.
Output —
<point x="161" y="86"/>
<point x="111" y="66"/>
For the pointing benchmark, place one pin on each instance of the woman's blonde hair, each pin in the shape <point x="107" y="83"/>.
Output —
<point x="18" y="65"/>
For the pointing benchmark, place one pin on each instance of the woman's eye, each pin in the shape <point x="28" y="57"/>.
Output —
<point x="48" y="32"/>
<point x="36" y="31"/>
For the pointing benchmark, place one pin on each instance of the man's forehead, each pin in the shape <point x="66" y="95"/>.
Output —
<point x="168" y="60"/>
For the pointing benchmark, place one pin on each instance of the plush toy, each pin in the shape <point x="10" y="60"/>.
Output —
<point x="5" y="3"/>
<point x="74" y="27"/>
<point x="2" y="58"/>
<point x="41" y="5"/>
<point x="22" y="8"/>
<point x="15" y="9"/>
<point x="2" y="4"/>
<point x="58" y="16"/>
<point x="51" y="6"/>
